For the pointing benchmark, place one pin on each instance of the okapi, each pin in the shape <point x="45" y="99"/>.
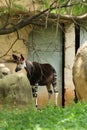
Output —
<point x="39" y="75"/>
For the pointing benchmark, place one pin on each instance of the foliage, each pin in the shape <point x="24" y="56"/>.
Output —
<point x="76" y="7"/>
<point x="49" y="118"/>
<point x="79" y="9"/>
<point x="16" y="14"/>
<point x="10" y="7"/>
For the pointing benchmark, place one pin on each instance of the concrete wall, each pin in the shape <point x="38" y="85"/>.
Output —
<point x="69" y="60"/>
<point x="7" y="43"/>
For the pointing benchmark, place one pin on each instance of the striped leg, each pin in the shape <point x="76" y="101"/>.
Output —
<point x="34" y="92"/>
<point x="56" y="97"/>
<point x="54" y="83"/>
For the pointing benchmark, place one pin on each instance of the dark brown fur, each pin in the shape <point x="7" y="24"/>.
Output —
<point x="43" y="74"/>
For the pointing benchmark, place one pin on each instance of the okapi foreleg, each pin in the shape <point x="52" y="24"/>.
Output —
<point x="56" y="97"/>
<point x="35" y="93"/>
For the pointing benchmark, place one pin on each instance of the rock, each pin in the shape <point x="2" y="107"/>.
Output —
<point x="4" y="70"/>
<point x="1" y="75"/>
<point x="15" y="90"/>
<point x="2" y="65"/>
<point x="80" y="73"/>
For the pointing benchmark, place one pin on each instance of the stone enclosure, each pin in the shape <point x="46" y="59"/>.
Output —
<point x="14" y="88"/>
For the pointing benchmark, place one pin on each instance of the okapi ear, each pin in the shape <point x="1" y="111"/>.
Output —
<point x="22" y="57"/>
<point x="15" y="57"/>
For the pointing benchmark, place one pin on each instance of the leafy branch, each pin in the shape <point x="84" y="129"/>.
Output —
<point x="30" y="20"/>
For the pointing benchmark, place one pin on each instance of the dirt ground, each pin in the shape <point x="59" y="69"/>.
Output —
<point x="43" y="98"/>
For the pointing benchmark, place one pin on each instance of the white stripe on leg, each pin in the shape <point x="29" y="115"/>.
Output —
<point x="56" y="98"/>
<point x="49" y="98"/>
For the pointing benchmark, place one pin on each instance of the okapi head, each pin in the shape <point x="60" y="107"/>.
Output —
<point x="20" y="62"/>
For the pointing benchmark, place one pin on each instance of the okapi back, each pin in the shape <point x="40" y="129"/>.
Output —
<point x="40" y="73"/>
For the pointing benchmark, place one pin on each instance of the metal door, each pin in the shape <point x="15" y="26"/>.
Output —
<point x="45" y="46"/>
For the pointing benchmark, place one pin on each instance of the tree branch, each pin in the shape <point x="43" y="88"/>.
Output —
<point x="31" y="19"/>
<point x="11" y="45"/>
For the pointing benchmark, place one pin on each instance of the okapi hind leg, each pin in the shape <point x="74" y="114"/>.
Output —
<point x="55" y="88"/>
<point x="56" y="97"/>
<point x="49" y="93"/>
<point x="35" y="93"/>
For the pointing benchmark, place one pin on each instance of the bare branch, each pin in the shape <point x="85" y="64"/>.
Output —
<point x="30" y="19"/>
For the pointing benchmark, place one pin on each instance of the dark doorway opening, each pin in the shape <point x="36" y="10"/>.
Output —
<point x="77" y="45"/>
<point x="77" y="37"/>
<point x="63" y="65"/>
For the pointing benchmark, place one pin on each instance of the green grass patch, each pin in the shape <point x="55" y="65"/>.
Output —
<point x="48" y="118"/>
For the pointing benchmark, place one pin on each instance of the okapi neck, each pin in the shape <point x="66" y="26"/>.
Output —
<point x="28" y="67"/>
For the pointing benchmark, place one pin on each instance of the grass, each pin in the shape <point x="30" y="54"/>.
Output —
<point x="49" y="118"/>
